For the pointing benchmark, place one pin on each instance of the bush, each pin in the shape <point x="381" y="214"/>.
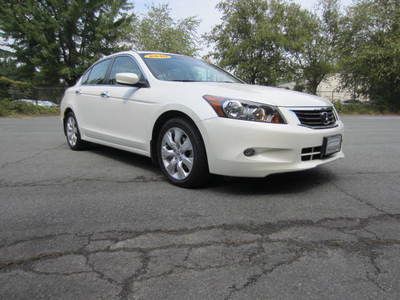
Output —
<point x="13" y="88"/>
<point x="15" y="108"/>
<point x="360" y="108"/>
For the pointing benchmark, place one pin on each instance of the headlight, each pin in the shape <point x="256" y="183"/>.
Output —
<point x="244" y="110"/>
<point x="336" y="113"/>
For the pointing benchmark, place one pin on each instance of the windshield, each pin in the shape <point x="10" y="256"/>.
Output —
<point x="171" y="67"/>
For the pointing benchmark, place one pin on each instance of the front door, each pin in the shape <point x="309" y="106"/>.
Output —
<point x="127" y="107"/>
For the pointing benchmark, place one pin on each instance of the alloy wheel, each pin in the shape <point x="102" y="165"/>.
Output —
<point x="177" y="153"/>
<point x="72" y="131"/>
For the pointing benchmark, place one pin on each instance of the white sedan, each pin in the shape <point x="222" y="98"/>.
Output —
<point x="193" y="118"/>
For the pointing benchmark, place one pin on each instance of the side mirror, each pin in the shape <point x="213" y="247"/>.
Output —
<point x="127" y="78"/>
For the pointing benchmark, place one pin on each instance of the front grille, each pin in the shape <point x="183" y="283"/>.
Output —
<point x="311" y="153"/>
<point x="317" y="118"/>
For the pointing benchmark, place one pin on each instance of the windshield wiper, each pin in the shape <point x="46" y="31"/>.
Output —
<point x="188" y="80"/>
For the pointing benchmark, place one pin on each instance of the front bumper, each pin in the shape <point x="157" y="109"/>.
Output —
<point x="277" y="147"/>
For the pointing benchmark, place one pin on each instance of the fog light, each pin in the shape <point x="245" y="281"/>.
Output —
<point x="249" y="152"/>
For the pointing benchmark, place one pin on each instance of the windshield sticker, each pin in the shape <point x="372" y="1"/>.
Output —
<point x="156" y="55"/>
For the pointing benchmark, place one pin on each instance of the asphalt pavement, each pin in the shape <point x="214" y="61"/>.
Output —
<point x="104" y="224"/>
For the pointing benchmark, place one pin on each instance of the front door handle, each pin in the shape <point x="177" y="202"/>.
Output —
<point x="104" y="94"/>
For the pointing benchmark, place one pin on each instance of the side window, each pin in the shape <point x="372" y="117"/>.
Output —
<point x="124" y="64"/>
<point x="98" y="73"/>
<point x="85" y="77"/>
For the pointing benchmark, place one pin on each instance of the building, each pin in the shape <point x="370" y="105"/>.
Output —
<point x="330" y="88"/>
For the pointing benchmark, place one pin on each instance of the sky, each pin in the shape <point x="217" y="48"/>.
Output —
<point x="205" y="9"/>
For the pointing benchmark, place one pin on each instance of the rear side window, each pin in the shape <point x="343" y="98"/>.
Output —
<point x="124" y="64"/>
<point x="85" y="77"/>
<point x="98" y="72"/>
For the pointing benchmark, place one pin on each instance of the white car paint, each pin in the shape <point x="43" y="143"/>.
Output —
<point x="124" y="118"/>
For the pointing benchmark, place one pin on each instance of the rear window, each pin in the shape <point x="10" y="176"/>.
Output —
<point x="98" y="73"/>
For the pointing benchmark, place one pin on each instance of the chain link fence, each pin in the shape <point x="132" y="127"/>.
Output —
<point x="341" y="96"/>
<point x="36" y="93"/>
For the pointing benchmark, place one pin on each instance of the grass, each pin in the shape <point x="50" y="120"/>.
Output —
<point x="9" y="108"/>
<point x="361" y="109"/>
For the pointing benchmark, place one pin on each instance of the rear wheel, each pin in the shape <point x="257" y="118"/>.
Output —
<point x="181" y="154"/>
<point x="72" y="133"/>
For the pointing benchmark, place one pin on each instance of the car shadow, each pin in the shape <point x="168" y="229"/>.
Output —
<point x="285" y="183"/>
<point x="125" y="157"/>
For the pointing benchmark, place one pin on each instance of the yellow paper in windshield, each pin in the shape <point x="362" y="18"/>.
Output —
<point x="157" y="55"/>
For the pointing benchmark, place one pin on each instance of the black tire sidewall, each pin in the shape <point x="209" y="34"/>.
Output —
<point x="199" y="173"/>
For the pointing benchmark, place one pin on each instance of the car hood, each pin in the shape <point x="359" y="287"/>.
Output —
<point x="263" y="94"/>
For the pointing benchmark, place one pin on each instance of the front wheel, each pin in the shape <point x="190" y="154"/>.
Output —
<point x="181" y="154"/>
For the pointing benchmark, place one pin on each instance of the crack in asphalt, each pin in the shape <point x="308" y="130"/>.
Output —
<point x="363" y="246"/>
<point x="137" y="179"/>
<point x="64" y="181"/>
<point x="253" y="279"/>
<point x="6" y="164"/>
<point x="35" y="238"/>
<point x="369" y="173"/>
<point x="264" y="229"/>
<point x="126" y="285"/>
<point x="360" y="200"/>
<point x="100" y="274"/>
<point x="377" y="270"/>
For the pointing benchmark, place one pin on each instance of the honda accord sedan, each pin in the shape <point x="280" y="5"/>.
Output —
<point x="194" y="119"/>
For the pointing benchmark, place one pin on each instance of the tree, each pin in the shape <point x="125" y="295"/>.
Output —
<point x="8" y="65"/>
<point x="264" y="43"/>
<point x="370" y="51"/>
<point x="314" y="54"/>
<point x="249" y="40"/>
<point x="56" y="40"/>
<point x="158" y="31"/>
<point x="270" y="41"/>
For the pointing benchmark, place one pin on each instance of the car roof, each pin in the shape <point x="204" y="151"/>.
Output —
<point x="139" y="52"/>
<point x="156" y="52"/>
<point x="130" y="52"/>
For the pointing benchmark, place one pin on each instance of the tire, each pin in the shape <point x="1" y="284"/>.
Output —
<point x="72" y="133"/>
<point x="181" y="154"/>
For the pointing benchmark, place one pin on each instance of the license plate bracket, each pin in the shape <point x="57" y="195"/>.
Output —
<point x="331" y="145"/>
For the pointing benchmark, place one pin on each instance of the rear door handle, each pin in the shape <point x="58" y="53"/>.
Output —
<point x="77" y="92"/>
<point x="104" y="94"/>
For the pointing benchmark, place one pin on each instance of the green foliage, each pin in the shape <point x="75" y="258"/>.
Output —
<point x="8" y="65"/>
<point x="10" y="87"/>
<point x="54" y="39"/>
<point x="9" y="108"/>
<point x="360" y="109"/>
<point x="250" y="41"/>
<point x="370" y="51"/>
<point x="158" y="31"/>
<point x="315" y="55"/>
<point x="270" y="41"/>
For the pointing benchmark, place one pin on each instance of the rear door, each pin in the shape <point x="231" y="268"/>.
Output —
<point x="91" y="97"/>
